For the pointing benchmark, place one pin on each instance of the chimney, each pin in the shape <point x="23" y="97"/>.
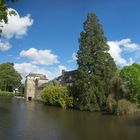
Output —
<point x="63" y="72"/>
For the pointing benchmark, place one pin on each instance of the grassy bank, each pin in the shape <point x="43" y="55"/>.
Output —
<point x="6" y="94"/>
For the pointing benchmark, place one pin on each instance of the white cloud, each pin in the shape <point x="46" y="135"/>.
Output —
<point x="130" y="61"/>
<point x="25" y="68"/>
<point x="127" y="44"/>
<point x="73" y="59"/>
<point x="4" y="46"/>
<point x="57" y="71"/>
<point x="74" y="56"/>
<point x="17" y="26"/>
<point x="60" y="68"/>
<point x="115" y="51"/>
<point x="41" y="57"/>
<point x="118" y="47"/>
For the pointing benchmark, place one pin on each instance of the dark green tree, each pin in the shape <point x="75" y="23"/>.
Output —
<point x="9" y="77"/>
<point x="117" y="86"/>
<point x="95" y="67"/>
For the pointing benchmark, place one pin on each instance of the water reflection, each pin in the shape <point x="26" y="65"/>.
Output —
<point x="20" y="120"/>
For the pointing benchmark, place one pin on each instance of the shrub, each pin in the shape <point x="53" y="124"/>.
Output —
<point x="111" y="104"/>
<point x="125" y="107"/>
<point x="57" y="95"/>
<point x="6" y="94"/>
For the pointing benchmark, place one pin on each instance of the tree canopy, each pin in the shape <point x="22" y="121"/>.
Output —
<point x="9" y="77"/>
<point x="131" y="78"/>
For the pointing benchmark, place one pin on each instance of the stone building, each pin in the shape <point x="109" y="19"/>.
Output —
<point x="67" y="77"/>
<point x="33" y="85"/>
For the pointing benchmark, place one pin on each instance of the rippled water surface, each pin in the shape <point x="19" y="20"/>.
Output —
<point x="20" y="120"/>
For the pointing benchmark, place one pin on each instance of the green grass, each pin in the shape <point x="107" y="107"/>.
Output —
<point x="6" y="94"/>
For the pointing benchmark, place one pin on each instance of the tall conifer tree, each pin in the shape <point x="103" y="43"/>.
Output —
<point x="95" y="66"/>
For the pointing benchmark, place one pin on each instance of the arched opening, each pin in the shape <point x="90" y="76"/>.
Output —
<point x="29" y="98"/>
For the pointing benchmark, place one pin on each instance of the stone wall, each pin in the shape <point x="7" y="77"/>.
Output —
<point x="33" y="85"/>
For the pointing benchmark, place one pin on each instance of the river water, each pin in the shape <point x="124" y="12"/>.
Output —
<point x="20" y="120"/>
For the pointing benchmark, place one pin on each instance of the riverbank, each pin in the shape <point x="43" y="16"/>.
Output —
<point x="11" y="94"/>
<point x="6" y="94"/>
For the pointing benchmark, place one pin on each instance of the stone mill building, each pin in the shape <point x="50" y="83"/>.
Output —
<point x="33" y="85"/>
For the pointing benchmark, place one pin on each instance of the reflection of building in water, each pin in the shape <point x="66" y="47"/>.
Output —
<point x="33" y="85"/>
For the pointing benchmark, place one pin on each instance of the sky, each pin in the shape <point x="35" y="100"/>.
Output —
<point x="43" y="36"/>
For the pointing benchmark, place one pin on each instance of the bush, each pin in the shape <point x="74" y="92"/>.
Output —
<point x="57" y="95"/>
<point x="111" y="104"/>
<point x="125" y="107"/>
<point x="6" y="94"/>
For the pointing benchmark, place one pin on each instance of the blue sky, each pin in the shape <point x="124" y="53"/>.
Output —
<point x="44" y="35"/>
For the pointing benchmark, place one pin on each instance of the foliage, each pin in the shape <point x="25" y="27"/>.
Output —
<point x="6" y="94"/>
<point x="3" y="10"/>
<point x="22" y="89"/>
<point x="125" y="107"/>
<point x="131" y="78"/>
<point x="111" y="104"/>
<point x="9" y="77"/>
<point x="95" y="67"/>
<point x="117" y="87"/>
<point x="53" y="83"/>
<point x="57" y="95"/>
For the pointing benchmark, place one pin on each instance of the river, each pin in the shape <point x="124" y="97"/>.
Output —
<point x="20" y="120"/>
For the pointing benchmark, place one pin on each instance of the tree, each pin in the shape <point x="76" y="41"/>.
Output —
<point x="3" y="10"/>
<point x="131" y="78"/>
<point x="95" y="67"/>
<point x="9" y="77"/>
<point x="117" y="87"/>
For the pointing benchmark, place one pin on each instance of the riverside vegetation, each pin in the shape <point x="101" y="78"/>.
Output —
<point x="99" y="86"/>
<point x="6" y="94"/>
<point x="57" y="95"/>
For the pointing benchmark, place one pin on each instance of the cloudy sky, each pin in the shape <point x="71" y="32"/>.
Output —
<point x="43" y="36"/>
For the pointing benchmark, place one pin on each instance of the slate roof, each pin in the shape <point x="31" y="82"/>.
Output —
<point x="67" y="77"/>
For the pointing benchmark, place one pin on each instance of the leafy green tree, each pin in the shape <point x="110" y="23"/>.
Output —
<point x="131" y="77"/>
<point x="111" y="104"/>
<point x="57" y="95"/>
<point x="118" y="89"/>
<point x="3" y="11"/>
<point x="95" y="67"/>
<point x="9" y="77"/>
<point x="136" y="66"/>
